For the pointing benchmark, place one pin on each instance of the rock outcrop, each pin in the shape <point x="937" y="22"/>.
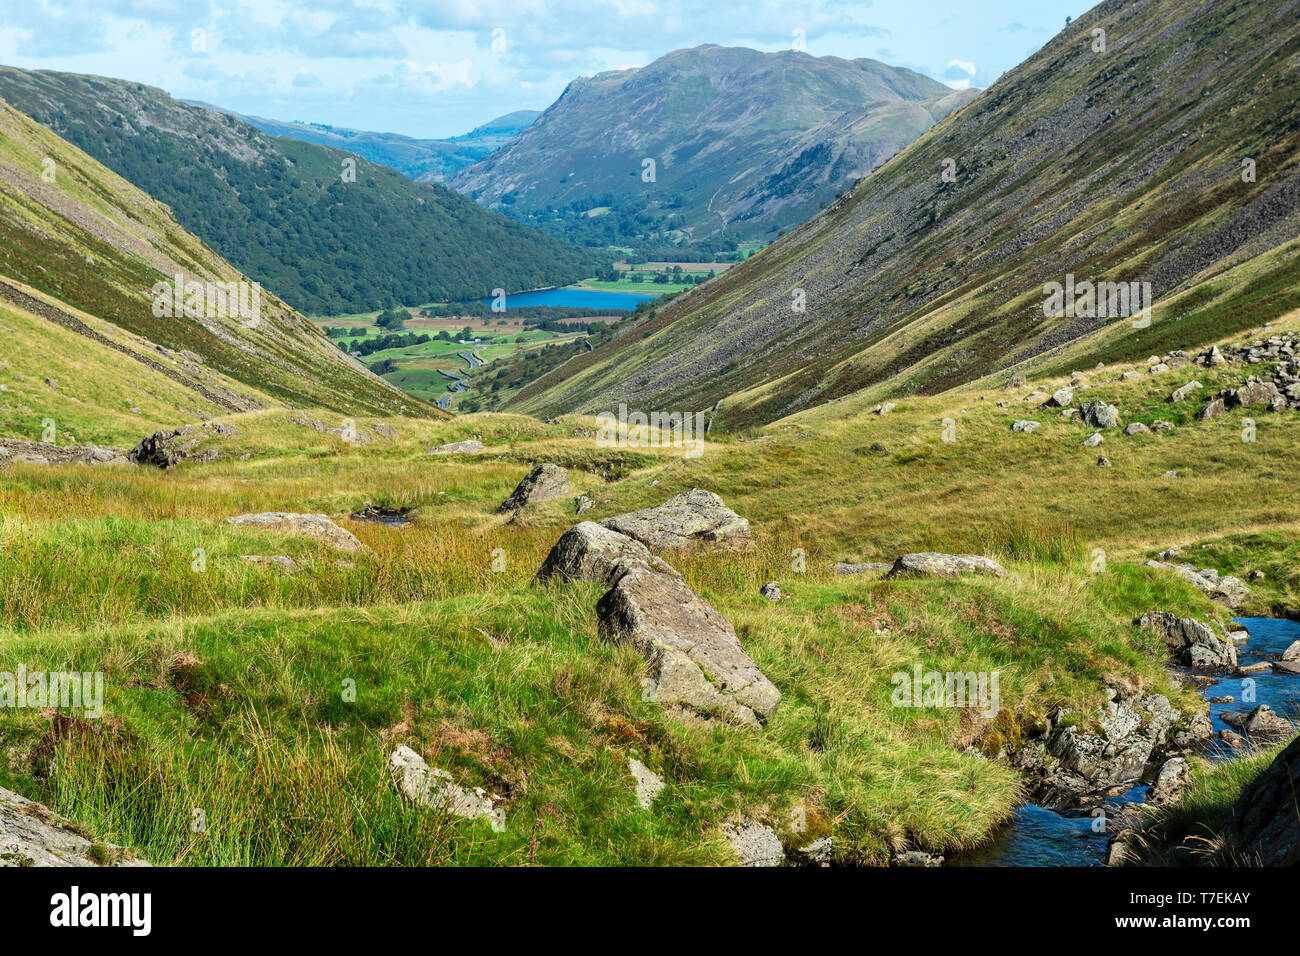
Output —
<point x="592" y="552"/>
<point x="696" y="662"/>
<point x="692" y="519"/>
<point x="544" y="482"/>
<point x="1226" y="589"/>
<point x="1169" y="782"/>
<point x="16" y="451"/>
<point x="1193" y="643"/>
<point x="168" y="447"/>
<point x="696" y="665"/>
<point x="1070" y="763"/>
<point x="315" y="526"/>
<point x="33" y="835"/>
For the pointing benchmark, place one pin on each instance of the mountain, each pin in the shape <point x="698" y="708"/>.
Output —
<point x="1128" y="165"/>
<point x="82" y="253"/>
<point x="743" y="144"/>
<point x="280" y="210"/>
<point x="496" y="133"/>
<point x="424" y="160"/>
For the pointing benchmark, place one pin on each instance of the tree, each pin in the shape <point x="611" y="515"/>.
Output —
<point x="392" y="319"/>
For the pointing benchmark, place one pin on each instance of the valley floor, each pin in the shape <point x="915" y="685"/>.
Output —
<point x="250" y="712"/>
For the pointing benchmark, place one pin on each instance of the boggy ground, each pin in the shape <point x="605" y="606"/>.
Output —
<point x="231" y="734"/>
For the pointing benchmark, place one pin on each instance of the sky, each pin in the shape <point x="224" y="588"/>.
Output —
<point x="437" y="68"/>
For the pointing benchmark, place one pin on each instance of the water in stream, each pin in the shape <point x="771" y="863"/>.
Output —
<point x="1036" y="836"/>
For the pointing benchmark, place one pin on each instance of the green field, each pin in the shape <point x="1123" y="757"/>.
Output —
<point x="417" y="368"/>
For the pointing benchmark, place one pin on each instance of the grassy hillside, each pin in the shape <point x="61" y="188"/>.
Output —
<point x="1124" y="166"/>
<point x="280" y="210"/>
<point x="744" y="144"/>
<point x="225" y="685"/>
<point x="82" y="248"/>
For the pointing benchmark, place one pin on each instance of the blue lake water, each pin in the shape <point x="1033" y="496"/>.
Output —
<point x="576" y="299"/>
<point x="1036" y="836"/>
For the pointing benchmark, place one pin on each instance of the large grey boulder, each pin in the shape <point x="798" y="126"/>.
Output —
<point x="693" y="519"/>
<point x="935" y="565"/>
<point x="592" y="552"/>
<point x="1251" y="395"/>
<point x="1061" y="398"/>
<point x="1214" y="408"/>
<point x="544" y="482"/>
<point x="696" y="663"/>
<point x="1226" y="589"/>
<point x="1099" y="415"/>
<point x="315" y="526"/>
<point x="1194" y="643"/>
<point x="1262" y="723"/>
<point x="33" y="835"/>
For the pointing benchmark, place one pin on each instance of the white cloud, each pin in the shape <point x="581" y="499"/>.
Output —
<point x="427" y="67"/>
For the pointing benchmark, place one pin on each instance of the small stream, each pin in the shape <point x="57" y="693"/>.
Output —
<point x="1037" y="836"/>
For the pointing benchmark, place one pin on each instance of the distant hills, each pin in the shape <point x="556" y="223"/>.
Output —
<point x="1171" y="157"/>
<point x="424" y="160"/>
<point x="83" y="254"/>
<point x="710" y="143"/>
<point x="283" y="211"/>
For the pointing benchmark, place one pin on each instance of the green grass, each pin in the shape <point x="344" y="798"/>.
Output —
<point x="224" y="685"/>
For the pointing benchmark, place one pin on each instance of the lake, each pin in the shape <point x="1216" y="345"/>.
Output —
<point x="576" y="299"/>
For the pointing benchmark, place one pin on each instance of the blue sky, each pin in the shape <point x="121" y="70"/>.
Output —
<point x="434" y="68"/>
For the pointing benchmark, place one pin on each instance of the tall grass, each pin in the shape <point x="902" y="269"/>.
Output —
<point x="1044" y="541"/>
<point x="300" y="802"/>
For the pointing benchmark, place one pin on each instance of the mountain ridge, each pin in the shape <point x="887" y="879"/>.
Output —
<point x="420" y="159"/>
<point x="926" y="284"/>
<point x="282" y="211"/>
<point x="743" y="143"/>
